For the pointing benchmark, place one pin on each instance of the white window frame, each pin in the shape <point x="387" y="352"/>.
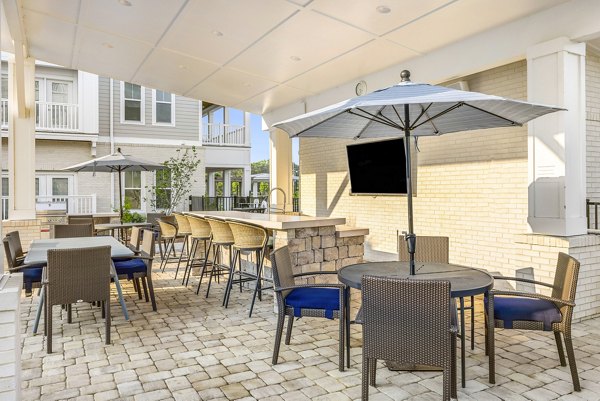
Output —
<point x="143" y="105"/>
<point x="169" y="188"/>
<point x="142" y="208"/>
<point x="154" y="122"/>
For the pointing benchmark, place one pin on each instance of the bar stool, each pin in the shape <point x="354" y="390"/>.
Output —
<point x="248" y="238"/>
<point x="200" y="233"/>
<point x="168" y="233"/>
<point x="183" y="231"/>
<point x="221" y="237"/>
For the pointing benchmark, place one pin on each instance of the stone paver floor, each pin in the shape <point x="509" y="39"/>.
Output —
<point x="194" y="349"/>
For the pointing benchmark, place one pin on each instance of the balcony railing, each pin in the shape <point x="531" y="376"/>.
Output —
<point x="73" y="204"/>
<point x="224" y="203"/>
<point x="49" y="116"/>
<point x="224" y="135"/>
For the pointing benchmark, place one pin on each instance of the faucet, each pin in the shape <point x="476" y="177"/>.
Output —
<point x="269" y="199"/>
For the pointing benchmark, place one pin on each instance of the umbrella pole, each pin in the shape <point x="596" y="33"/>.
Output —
<point x="120" y="198"/>
<point x="410" y="237"/>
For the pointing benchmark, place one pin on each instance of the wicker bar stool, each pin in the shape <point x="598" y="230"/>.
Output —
<point x="248" y="238"/>
<point x="184" y="230"/>
<point x="168" y="233"/>
<point x="200" y="233"/>
<point x="221" y="237"/>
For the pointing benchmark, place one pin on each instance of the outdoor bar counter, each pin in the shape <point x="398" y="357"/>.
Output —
<point x="315" y="243"/>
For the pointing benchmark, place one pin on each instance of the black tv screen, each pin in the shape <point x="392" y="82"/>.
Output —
<point x="377" y="167"/>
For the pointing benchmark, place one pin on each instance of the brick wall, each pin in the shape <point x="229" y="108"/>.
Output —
<point x="10" y="340"/>
<point x="592" y="82"/>
<point x="29" y="230"/>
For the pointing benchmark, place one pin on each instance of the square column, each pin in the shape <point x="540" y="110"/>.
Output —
<point x="556" y="142"/>
<point x="246" y="178"/>
<point x="280" y="168"/>
<point x="211" y="184"/>
<point x="226" y="182"/>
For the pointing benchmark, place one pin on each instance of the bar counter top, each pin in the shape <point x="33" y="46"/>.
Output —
<point x="274" y="221"/>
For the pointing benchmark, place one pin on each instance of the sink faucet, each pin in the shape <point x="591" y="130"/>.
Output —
<point x="269" y="199"/>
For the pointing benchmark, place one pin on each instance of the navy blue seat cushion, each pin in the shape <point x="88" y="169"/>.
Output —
<point x="32" y="274"/>
<point x="314" y="298"/>
<point x="509" y="309"/>
<point x="130" y="267"/>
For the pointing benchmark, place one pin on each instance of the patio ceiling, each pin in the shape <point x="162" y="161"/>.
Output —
<point x="253" y="55"/>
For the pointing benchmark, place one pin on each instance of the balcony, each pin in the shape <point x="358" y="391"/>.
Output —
<point x="56" y="117"/>
<point x="70" y="204"/>
<point x="215" y="134"/>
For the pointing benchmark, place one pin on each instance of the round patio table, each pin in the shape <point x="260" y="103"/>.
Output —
<point x="464" y="282"/>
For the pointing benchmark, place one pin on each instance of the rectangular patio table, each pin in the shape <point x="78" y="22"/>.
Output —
<point x="464" y="282"/>
<point x="38" y="254"/>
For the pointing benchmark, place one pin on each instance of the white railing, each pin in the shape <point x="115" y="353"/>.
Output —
<point x="49" y="116"/>
<point x="224" y="135"/>
<point x="73" y="204"/>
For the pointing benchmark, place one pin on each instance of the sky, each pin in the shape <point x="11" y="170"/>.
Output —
<point x="260" y="141"/>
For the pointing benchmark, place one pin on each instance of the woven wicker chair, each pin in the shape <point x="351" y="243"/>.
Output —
<point x="200" y="234"/>
<point x="75" y="275"/>
<point x="168" y="233"/>
<point x="82" y="219"/>
<point x="152" y="218"/>
<point x="394" y="327"/>
<point x="13" y="250"/>
<point x="134" y="239"/>
<point x="184" y="230"/>
<point x="140" y="267"/>
<point x="247" y="238"/>
<point x="73" y="230"/>
<point x="300" y="300"/>
<point x="531" y="311"/>
<point x="222" y="237"/>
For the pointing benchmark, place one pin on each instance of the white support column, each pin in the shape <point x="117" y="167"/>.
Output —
<point x="87" y="98"/>
<point x="21" y="140"/>
<point x="246" y="179"/>
<point x="556" y="142"/>
<point x="280" y="167"/>
<point x="226" y="182"/>
<point x="255" y="188"/>
<point x="211" y="184"/>
<point x="247" y="131"/>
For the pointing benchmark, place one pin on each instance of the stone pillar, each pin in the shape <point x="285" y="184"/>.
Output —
<point x="247" y="130"/>
<point x="556" y="142"/>
<point x="255" y="188"/>
<point x="246" y="179"/>
<point x="280" y="167"/>
<point x="211" y="184"/>
<point x="226" y="182"/>
<point x="21" y="140"/>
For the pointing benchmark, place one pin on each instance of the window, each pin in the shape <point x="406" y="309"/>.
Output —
<point x="163" y="108"/>
<point x="163" y="189"/>
<point x="4" y="103"/>
<point x="132" y="103"/>
<point x="133" y="189"/>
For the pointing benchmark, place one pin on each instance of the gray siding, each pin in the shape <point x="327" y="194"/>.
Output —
<point x="103" y="106"/>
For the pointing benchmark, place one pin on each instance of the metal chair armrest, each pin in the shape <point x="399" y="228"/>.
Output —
<point x="315" y="273"/>
<point x="292" y="287"/>
<point x="523" y="280"/>
<point x="531" y="295"/>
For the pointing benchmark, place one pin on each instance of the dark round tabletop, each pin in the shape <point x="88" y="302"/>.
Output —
<point x="464" y="281"/>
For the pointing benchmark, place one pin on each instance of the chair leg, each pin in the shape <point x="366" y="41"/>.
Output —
<point x="40" y="308"/>
<point x="184" y="247"/>
<point x="206" y="252"/>
<point x="138" y="287"/>
<point x="190" y="262"/>
<point x="453" y="392"/>
<point x="145" y="287"/>
<point x="372" y="371"/>
<point x="151" y="291"/>
<point x="48" y="321"/>
<point x="121" y="299"/>
<point x="572" y="363"/>
<point x="107" y="320"/>
<point x="257" y="288"/>
<point x="446" y="384"/>
<point x="561" y="354"/>
<point x="290" y="325"/>
<point x="160" y="249"/>
<point x="168" y="246"/>
<point x="365" y="378"/>
<point x="237" y="256"/>
<point x="216" y="249"/>
<point x="69" y="313"/>
<point x="278" y="333"/>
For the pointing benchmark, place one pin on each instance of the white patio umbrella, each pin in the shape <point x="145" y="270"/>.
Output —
<point x="117" y="163"/>
<point x="412" y="109"/>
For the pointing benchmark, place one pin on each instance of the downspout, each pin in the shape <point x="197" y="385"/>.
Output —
<point x="112" y="139"/>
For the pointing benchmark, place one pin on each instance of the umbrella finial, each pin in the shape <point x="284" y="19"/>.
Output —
<point x="405" y="75"/>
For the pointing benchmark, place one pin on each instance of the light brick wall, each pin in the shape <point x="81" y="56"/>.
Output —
<point x="592" y="78"/>
<point x="29" y="230"/>
<point x="10" y="340"/>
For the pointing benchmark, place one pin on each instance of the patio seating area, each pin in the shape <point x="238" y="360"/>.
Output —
<point x="193" y="349"/>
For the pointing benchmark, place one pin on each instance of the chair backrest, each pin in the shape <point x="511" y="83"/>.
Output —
<point x="73" y="230"/>
<point x="183" y="225"/>
<point x="429" y="249"/>
<point x="248" y="236"/>
<point x="11" y="257"/>
<point x="134" y="238"/>
<point x="565" y="279"/>
<point x="81" y="219"/>
<point x="283" y="274"/>
<point x="78" y="274"/>
<point x="221" y="232"/>
<point x="406" y="320"/>
<point x="200" y="227"/>
<point x="14" y="241"/>
<point x="167" y="228"/>
<point x="148" y="243"/>
<point x="152" y="218"/>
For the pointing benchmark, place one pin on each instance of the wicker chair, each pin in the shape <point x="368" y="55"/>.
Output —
<point x="13" y="250"/>
<point x="200" y="233"/>
<point x="152" y="218"/>
<point x="140" y="267"/>
<point x="73" y="230"/>
<point x="247" y="238"/>
<point x="81" y="219"/>
<point x="394" y="328"/>
<point x="184" y="230"/>
<point x="299" y="300"/>
<point x="75" y="275"/>
<point x="222" y="237"/>
<point x="168" y="233"/>
<point x="531" y="311"/>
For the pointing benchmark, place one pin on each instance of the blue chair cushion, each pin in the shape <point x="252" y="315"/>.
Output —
<point x="32" y="274"/>
<point x="130" y="267"/>
<point x="509" y="309"/>
<point x="314" y="298"/>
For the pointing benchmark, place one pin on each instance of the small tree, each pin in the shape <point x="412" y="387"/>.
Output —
<point x="172" y="187"/>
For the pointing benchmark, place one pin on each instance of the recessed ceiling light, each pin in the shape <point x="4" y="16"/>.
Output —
<point x="383" y="9"/>
<point x="247" y="84"/>
<point x="182" y="67"/>
<point x="295" y="58"/>
<point x="107" y="45"/>
<point x="125" y="3"/>
<point x="217" y="33"/>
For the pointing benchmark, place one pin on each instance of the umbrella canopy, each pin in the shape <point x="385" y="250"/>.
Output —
<point x="412" y="109"/>
<point x="117" y="163"/>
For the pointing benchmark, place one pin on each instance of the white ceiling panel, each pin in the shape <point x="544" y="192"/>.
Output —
<point x="109" y="55"/>
<point x="296" y="47"/>
<point x="144" y="20"/>
<point x="49" y="39"/>
<point x="278" y="96"/>
<point x="352" y="65"/>
<point x="467" y="17"/>
<point x="202" y="31"/>
<point x="365" y="14"/>
<point x="173" y="72"/>
<point x="66" y="10"/>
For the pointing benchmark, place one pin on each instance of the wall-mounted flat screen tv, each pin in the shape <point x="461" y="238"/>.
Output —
<point x="377" y="167"/>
